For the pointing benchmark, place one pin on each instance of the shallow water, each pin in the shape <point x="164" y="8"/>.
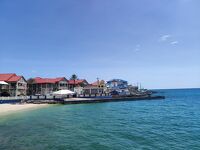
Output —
<point x="173" y="123"/>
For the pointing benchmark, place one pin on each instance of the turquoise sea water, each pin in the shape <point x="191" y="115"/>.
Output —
<point x="173" y="123"/>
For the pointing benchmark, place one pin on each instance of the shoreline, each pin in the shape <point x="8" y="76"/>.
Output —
<point x="7" y="109"/>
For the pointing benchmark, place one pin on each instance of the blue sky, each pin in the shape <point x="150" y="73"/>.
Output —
<point x="152" y="42"/>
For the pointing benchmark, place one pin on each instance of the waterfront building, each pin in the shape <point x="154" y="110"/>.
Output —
<point x="133" y="89"/>
<point x="77" y="84"/>
<point x="118" y="86"/>
<point x="45" y="86"/>
<point x="98" y="87"/>
<point x="100" y="83"/>
<point x="78" y="90"/>
<point x="17" y="85"/>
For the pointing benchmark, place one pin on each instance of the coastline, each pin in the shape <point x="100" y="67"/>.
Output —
<point x="6" y="109"/>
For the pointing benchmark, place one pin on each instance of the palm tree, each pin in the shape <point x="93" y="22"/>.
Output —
<point x="74" y="77"/>
<point x="30" y="86"/>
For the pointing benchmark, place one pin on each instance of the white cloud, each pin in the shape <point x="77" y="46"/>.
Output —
<point x="168" y="39"/>
<point x="165" y="37"/>
<point x="174" y="43"/>
<point x="137" y="48"/>
<point x="138" y="45"/>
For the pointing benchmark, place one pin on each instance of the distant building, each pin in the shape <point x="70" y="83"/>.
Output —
<point x="100" y="84"/>
<point x="78" y="90"/>
<point x="76" y="84"/>
<point x="118" y="86"/>
<point x="45" y="86"/>
<point x="17" y="85"/>
<point x="133" y="89"/>
<point x="97" y="87"/>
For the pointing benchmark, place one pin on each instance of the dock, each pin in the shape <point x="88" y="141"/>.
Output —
<point x="94" y="100"/>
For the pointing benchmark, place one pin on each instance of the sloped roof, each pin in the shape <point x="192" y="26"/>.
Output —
<point x="10" y="77"/>
<point x="77" y="81"/>
<point x="14" y="78"/>
<point x="98" y="83"/>
<point x="6" y="77"/>
<point x="48" y="80"/>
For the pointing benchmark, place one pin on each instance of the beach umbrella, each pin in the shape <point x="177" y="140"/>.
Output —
<point x="3" y="83"/>
<point x="63" y="92"/>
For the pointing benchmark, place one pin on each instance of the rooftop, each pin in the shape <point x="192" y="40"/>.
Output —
<point x="10" y="77"/>
<point x="79" y="81"/>
<point x="39" y="80"/>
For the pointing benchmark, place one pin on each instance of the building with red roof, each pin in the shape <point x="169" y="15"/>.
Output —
<point x="17" y="85"/>
<point x="45" y="86"/>
<point x="98" y="83"/>
<point x="97" y="87"/>
<point x="77" y="83"/>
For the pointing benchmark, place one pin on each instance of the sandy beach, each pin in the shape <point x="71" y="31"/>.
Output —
<point x="6" y="109"/>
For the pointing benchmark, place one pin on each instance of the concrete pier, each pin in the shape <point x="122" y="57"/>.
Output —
<point x="116" y="99"/>
<point x="95" y="100"/>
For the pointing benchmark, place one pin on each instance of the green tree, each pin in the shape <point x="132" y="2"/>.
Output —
<point x="74" y="77"/>
<point x="30" y="83"/>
